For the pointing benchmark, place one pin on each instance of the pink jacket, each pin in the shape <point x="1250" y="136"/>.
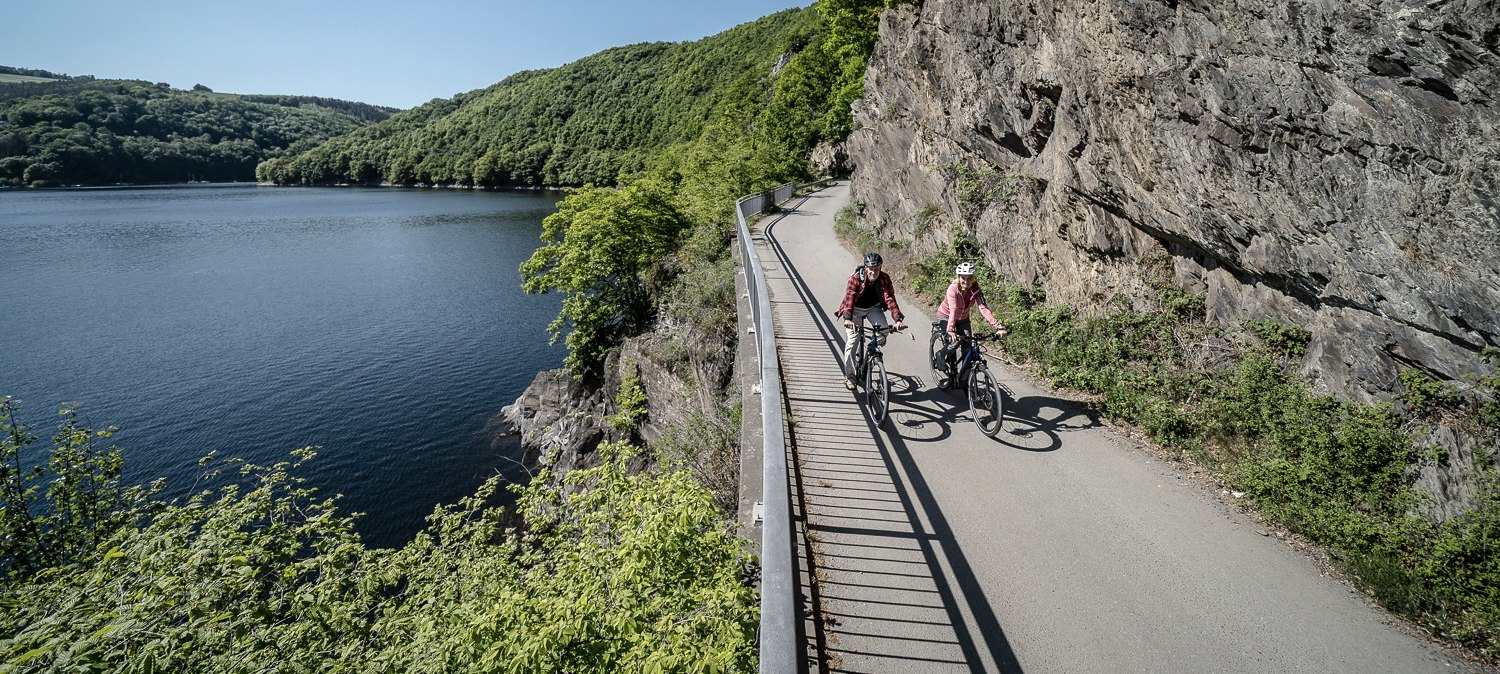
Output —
<point x="957" y="303"/>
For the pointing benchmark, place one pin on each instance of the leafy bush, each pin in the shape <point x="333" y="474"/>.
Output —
<point x="611" y="571"/>
<point x="614" y="572"/>
<point x="978" y="189"/>
<point x="630" y="402"/>
<point x="83" y="503"/>
<point x="1287" y="340"/>
<point x="1424" y="391"/>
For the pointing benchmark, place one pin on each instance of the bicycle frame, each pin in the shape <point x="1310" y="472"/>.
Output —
<point x="967" y="355"/>
<point x="868" y="367"/>
<point x="865" y="349"/>
<point x="973" y="356"/>
<point x="966" y="371"/>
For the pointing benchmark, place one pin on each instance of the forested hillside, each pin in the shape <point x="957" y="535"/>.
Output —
<point x="82" y="131"/>
<point x="583" y="122"/>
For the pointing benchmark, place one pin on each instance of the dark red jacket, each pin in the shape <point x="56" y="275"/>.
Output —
<point x="857" y="286"/>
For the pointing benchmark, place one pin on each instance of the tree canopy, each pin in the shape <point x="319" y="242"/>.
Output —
<point x="100" y="132"/>
<point x="585" y="122"/>
<point x="675" y="216"/>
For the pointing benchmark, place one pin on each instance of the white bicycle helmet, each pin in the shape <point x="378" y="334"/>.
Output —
<point x="965" y="269"/>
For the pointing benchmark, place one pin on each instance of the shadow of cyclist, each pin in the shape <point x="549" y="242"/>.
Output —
<point x="916" y="411"/>
<point x="1035" y="423"/>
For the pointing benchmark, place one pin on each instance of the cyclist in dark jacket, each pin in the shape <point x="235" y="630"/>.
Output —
<point x="866" y="297"/>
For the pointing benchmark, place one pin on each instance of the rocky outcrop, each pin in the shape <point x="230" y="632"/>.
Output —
<point x="828" y="159"/>
<point x="1332" y="164"/>
<point x="562" y="420"/>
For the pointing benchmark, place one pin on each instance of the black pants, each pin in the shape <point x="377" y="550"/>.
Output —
<point x="962" y="328"/>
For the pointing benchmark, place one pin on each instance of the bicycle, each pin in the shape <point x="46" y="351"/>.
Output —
<point x="869" y="370"/>
<point x="967" y="365"/>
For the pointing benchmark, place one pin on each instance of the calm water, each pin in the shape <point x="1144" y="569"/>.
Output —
<point x="387" y="326"/>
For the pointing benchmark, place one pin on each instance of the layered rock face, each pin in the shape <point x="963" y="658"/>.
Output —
<point x="562" y="421"/>
<point x="1332" y="164"/>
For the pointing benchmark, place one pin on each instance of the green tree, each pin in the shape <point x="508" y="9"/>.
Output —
<point x="600" y="248"/>
<point x="853" y="26"/>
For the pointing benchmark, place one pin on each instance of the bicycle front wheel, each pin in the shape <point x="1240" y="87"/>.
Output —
<point x="877" y="391"/>
<point x="986" y="402"/>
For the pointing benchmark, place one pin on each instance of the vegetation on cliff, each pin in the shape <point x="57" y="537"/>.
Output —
<point x="83" y="131"/>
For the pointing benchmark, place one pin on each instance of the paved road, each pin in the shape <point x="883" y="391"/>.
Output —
<point x="1058" y="547"/>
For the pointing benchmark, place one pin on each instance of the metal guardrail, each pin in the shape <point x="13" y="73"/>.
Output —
<point x="778" y="569"/>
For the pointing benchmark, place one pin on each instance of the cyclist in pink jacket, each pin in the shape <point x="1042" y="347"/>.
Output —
<point x="953" y="314"/>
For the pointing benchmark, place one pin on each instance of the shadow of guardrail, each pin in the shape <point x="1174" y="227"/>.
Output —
<point x="893" y="589"/>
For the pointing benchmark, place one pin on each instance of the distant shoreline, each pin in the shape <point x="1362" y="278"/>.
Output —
<point x="122" y="186"/>
<point x="422" y="186"/>
<point x="236" y="183"/>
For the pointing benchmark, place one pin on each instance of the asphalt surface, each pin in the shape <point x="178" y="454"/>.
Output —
<point x="1059" y="546"/>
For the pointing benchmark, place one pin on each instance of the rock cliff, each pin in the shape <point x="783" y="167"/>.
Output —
<point x="1332" y="164"/>
<point x="562" y="420"/>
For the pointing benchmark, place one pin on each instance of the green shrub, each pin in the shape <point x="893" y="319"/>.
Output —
<point x="1287" y="340"/>
<point x="612" y="571"/>
<point x="976" y="190"/>
<point x="1422" y="391"/>
<point x="83" y="502"/>
<point x="630" y="402"/>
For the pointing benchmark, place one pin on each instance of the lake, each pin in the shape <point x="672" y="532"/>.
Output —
<point x="385" y="325"/>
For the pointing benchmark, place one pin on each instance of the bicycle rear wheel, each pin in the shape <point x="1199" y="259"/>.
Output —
<point x="877" y="390"/>
<point x="935" y="347"/>
<point x="986" y="402"/>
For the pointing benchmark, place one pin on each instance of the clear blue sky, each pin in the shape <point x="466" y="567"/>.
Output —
<point x="398" y="53"/>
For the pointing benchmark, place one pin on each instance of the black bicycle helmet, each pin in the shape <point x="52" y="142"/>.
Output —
<point x="872" y="259"/>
